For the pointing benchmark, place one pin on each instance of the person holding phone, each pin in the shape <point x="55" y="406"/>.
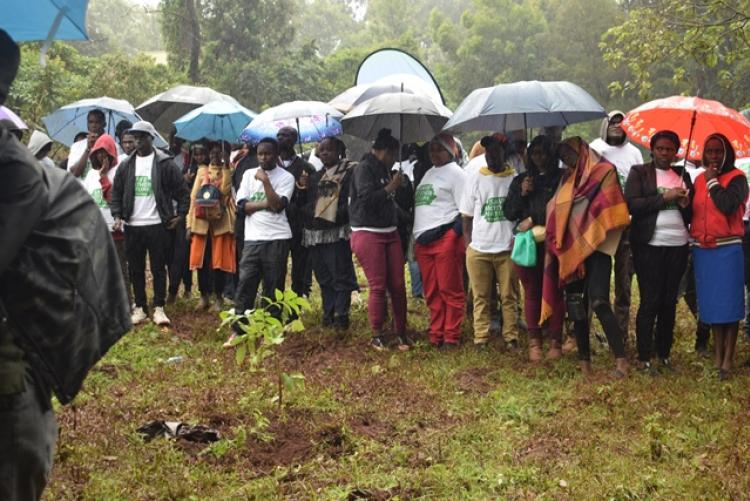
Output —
<point x="717" y="229"/>
<point x="659" y="200"/>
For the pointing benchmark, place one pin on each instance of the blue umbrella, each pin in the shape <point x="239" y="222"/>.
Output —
<point x="35" y="20"/>
<point x="63" y="124"/>
<point x="523" y="105"/>
<point x="217" y="120"/>
<point x="312" y="119"/>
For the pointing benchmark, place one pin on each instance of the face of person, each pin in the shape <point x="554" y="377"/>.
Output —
<point x="215" y="155"/>
<point x="286" y="137"/>
<point x="568" y="156"/>
<point x="714" y="153"/>
<point x="328" y="153"/>
<point x="267" y="156"/>
<point x="438" y="154"/>
<point x="95" y="124"/>
<point x="200" y="156"/>
<point x="99" y="157"/>
<point x="143" y="143"/>
<point x="615" y="131"/>
<point x="664" y="152"/>
<point x="128" y="143"/>
<point x="495" y="155"/>
<point x="539" y="157"/>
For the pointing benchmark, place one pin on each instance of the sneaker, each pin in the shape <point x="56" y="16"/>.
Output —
<point x="138" y="315"/>
<point x="218" y="305"/>
<point x="378" y="344"/>
<point x="160" y="318"/>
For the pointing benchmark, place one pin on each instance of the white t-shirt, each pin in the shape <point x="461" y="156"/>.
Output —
<point x="670" y="228"/>
<point x="144" y="205"/>
<point x="94" y="188"/>
<point x="77" y="150"/>
<point x="437" y="197"/>
<point x="623" y="157"/>
<point x="483" y="200"/>
<point x="265" y="225"/>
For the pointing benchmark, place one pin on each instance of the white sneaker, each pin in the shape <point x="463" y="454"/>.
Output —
<point x="159" y="317"/>
<point x="138" y="315"/>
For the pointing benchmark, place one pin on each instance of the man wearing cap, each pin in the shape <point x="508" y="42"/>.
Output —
<point x="145" y="186"/>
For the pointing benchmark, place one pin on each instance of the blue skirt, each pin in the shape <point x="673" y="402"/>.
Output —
<point x="719" y="283"/>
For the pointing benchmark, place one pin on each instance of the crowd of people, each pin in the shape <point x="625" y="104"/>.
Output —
<point x="549" y="216"/>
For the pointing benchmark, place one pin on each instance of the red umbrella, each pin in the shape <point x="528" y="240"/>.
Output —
<point x="693" y="119"/>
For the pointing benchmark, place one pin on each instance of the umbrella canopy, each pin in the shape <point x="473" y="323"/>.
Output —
<point x="693" y="119"/>
<point x="217" y="120"/>
<point x="6" y="114"/>
<point x="164" y="109"/>
<point x="524" y="105"/>
<point x="411" y="117"/>
<point x="63" y="124"/>
<point x="36" y="20"/>
<point x="358" y="94"/>
<point x="312" y="119"/>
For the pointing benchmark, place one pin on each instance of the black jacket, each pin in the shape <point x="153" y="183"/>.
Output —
<point x="167" y="182"/>
<point x="645" y="202"/>
<point x="295" y="208"/>
<point x="369" y="204"/>
<point x="517" y="207"/>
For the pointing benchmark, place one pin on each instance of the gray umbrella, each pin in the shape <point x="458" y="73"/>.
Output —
<point x="163" y="109"/>
<point x="411" y="117"/>
<point x="524" y="105"/>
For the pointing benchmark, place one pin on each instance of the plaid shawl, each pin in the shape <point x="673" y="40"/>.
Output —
<point x="588" y="204"/>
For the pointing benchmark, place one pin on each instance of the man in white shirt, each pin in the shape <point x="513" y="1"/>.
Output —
<point x="78" y="159"/>
<point x="146" y="185"/>
<point x="489" y="237"/>
<point x="262" y="197"/>
<point x="613" y="145"/>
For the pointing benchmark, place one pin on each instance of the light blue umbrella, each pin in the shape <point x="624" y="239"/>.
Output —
<point x="36" y="20"/>
<point x="63" y="125"/>
<point x="524" y="105"/>
<point x="313" y="121"/>
<point x="217" y="120"/>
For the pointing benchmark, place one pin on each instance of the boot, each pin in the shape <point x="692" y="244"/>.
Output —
<point x="621" y="368"/>
<point x="555" y="351"/>
<point x="204" y="303"/>
<point x="535" y="350"/>
<point x="569" y="345"/>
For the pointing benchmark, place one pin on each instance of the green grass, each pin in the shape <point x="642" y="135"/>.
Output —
<point x="422" y="424"/>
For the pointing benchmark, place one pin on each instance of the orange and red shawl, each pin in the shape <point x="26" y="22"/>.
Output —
<point x="588" y="204"/>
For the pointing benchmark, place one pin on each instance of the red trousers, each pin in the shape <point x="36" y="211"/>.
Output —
<point x="442" y="265"/>
<point x="531" y="278"/>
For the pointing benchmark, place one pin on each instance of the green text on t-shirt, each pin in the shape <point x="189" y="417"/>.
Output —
<point x="492" y="210"/>
<point x="425" y="195"/>
<point x="99" y="198"/>
<point x="143" y="186"/>
<point x="258" y="196"/>
<point x="670" y="205"/>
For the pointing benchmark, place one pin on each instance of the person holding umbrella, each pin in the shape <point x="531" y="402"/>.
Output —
<point x="373" y="215"/>
<point x="717" y="230"/>
<point x="659" y="198"/>
<point x="585" y="220"/>
<point x="439" y="247"/>
<point x="78" y="159"/>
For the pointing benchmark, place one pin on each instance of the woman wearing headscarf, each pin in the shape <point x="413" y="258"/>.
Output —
<point x="439" y="247"/>
<point x="718" y="205"/>
<point x="212" y="249"/>
<point x="658" y="197"/>
<point x="526" y="205"/>
<point x="327" y="231"/>
<point x="585" y="220"/>
<point x="374" y="218"/>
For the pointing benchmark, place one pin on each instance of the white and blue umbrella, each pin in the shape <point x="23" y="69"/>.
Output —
<point x="524" y="105"/>
<point x="63" y="124"/>
<point x="38" y="20"/>
<point x="313" y="121"/>
<point x="217" y="120"/>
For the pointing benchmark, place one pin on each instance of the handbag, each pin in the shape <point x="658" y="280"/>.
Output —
<point x="524" y="249"/>
<point x="208" y="204"/>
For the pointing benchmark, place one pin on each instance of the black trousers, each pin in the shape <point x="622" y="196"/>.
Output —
<point x="659" y="271"/>
<point x="334" y="271"/>
<point x="210" y="280"/>
<point x="179" y="264"/>
<point x="301" y="268"/>
<point x="156" y="241"/>
<point x="595" y="289"/>
<point x="262" y="262"/>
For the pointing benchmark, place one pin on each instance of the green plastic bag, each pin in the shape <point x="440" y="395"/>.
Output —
<point x="524" y="250"/>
